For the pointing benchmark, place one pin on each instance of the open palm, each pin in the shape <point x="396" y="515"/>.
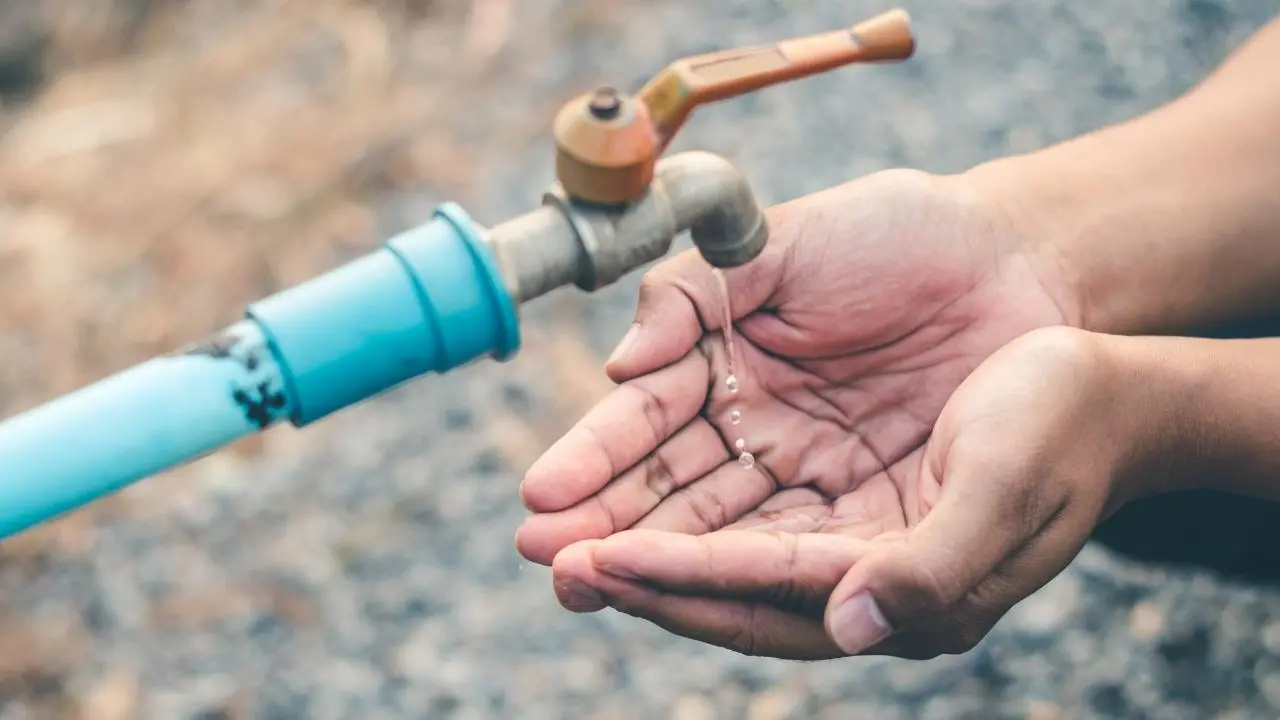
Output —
<point x="871" y="304"/>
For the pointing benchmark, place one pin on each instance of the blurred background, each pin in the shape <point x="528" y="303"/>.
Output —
<point x="164" y="162"/>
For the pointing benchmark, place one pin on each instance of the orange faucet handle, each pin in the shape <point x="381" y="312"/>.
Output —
<point x="689" y="82"/>
<point x="608" y="143"/>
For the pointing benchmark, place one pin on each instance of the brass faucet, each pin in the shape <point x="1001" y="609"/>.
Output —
<point x="618" y="204"/>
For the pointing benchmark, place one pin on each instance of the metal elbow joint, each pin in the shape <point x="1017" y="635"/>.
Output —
<point x="697" y="192"/>
<point x="713" y="201"/>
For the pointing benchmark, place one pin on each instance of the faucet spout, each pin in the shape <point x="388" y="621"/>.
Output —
<point x="571" y="241"/>
<point x="714" y="201"/>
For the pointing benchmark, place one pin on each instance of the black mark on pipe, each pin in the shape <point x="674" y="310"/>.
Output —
<point x="260" y="406"/>
<point x="259" y="403"/>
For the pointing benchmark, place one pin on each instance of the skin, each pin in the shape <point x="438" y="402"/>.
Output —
<point x="939" y="387"/>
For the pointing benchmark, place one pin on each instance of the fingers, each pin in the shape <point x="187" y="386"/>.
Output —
<point x="924" y="581"/>
<point x="680" y="300"/>
<point x="624" y="427"/>
<point x="713" y="502"/>
<point x="749" y="628"/>
<point x="719" y="589"/>
<point x="669" y="318"/>
<point x="789" y="571"/>
<point x="693" y="452"/>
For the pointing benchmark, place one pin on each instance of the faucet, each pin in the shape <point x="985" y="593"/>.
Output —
<point x="617" y="205"/>
<point x="434" y="298"/>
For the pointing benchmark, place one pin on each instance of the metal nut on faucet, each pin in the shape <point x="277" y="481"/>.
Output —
<point x="605" y="148"/>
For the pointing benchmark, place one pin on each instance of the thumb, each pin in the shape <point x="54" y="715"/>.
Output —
<point x="925" y="588"/>
<point x="681" y="299"/>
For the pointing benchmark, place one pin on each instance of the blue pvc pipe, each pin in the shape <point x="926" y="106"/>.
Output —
<point x="99" y="439"/>
<point x="431" y="300"/>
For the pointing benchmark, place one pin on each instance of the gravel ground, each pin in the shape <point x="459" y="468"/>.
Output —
<point x="365" y="569"/>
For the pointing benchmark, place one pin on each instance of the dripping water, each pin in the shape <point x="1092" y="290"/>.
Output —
<point x="731" y="382"/>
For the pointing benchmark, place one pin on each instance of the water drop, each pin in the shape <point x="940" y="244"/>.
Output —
<point x="740" y="443"/>
<point x="735" y="416"/>
<point x="731" y="382"/>
<point x="747" y="460"/>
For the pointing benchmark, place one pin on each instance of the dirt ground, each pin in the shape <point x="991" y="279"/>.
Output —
<point x="164" y="162"/>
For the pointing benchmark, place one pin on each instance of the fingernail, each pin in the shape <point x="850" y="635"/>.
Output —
<point x="578" y="597"/>
<point x="624" y="345"/>
<point x="858" y="624"/>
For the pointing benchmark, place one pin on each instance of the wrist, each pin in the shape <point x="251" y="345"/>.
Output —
<point x="1132" y="226"/>
<point x="1158" y="387"/>
<point x="1202" y="414"/>
<point x="1218" y="403"/>
<point x="1056" y="214"/>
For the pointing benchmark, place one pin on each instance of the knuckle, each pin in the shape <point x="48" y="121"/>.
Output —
<point x="746" y="637"/>
<point x="653" y="281"/>
<point x="670" y="276"/>
<point x="601" y="448"/>
<point x="607" y="513"/>
<point x="706" y="506"/>
<point x="653" y="408"/>
<point x="658" y="476"/>
<point x="685" y="276"/>
<point x="789" y="592"/>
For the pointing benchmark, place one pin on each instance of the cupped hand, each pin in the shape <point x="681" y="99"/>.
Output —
<point x="1044" y="440"/>
<point x="871" y="304"/>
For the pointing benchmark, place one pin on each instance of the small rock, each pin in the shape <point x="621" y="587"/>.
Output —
<point x="114" y="698"/>
<point x="693" y="707"/>
<point x="418" y="658"/>
<point x="951" y="707"/>
<point x="1146" y="620"/>
<point x="1041" y="710"/>
<point x="583" y="674"/>
<point x="938" y="677"/>
<point x="771" y="705"/>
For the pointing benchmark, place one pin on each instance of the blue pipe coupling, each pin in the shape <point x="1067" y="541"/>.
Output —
<point x="431" y="300"/>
